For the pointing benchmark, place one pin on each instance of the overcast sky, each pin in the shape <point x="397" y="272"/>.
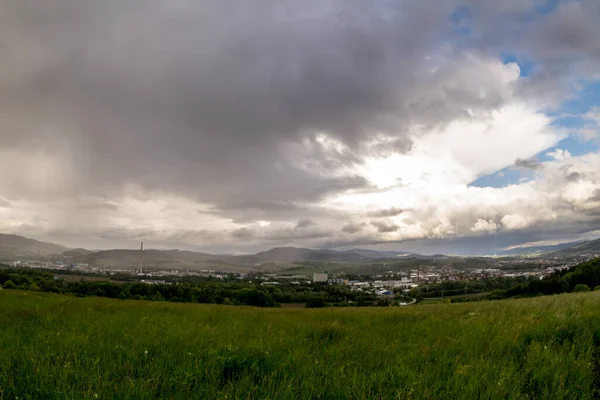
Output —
<point x="433" y="125"/>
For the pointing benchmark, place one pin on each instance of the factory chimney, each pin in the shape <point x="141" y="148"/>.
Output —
<point x="141" y="257"/>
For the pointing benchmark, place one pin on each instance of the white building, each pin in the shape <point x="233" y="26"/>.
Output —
<point x="319" y="277"/>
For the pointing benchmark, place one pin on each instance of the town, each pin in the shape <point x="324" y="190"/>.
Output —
<point x="386" y="285"/>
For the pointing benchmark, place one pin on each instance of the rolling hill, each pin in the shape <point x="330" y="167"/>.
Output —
<point x="585" y="248"/>
<point x="297" y="254"/>
<point x="580" y="248"/>
<point x="14" y="247"/>
<point x="278" y="257"/>
<point x="537" y="250"/>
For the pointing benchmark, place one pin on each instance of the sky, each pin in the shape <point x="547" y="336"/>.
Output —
<point x="437" y="126"/>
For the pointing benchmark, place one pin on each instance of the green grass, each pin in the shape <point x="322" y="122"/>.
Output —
<point x="57" y="347"/>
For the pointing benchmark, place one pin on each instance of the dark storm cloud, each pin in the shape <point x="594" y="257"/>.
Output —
<point x="531" y="164"/>
<point x="361" y="240"/>
<point x="96" y="232"/>
<point x="245" y="210"/>
<point x="203" y="98"/>
<point x="337" y="185"/>
<point x="97" y="207"/>
<point x="573" y="176"/>
<point x="596" y="195"/>
<point x="385" y="227"/>
<point x="353" y="227"/>
<point x="293" y="235"/>
<point x="390" y="212"/>
<point x="195" y="235"/>
<point x="243" y="233"/>
<point x="304" y="223"/>
<point x="570" y="31"/>
<point x="560" y="38"/>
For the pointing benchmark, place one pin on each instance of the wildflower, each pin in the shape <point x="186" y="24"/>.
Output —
<point x="146" y="352"/>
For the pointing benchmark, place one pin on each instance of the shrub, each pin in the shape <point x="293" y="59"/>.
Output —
<point x="254" y="297"/>
<point x="318" y="302"/>
<point x="9" y="285"/>
<point x="383" y="303"/>
<point x="34" y="288"/>
<point x="581" y="288"/>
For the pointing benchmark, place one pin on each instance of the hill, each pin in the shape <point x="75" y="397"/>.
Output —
<point x="14" y="247"/>
<point x="578" y="249"/>
<point x="296" y="254"/>
<point x="537" y="250"/>
<point x="280" y="257"/>
<point x="131" y="258"/>
<point x="581" y="249"/>
<point x="545" y="347"/>
<point x="76" y="253"/>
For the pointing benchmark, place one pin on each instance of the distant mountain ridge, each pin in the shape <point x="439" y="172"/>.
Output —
<point x="14" y="247"/>
<point x="568" y="249"/>
<point x="279" y="256"/>
<point x="586" y="247"/>
<point x="537" y="250"/>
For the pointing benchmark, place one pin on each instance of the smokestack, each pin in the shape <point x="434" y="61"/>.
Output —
<point x="141" y="257"/>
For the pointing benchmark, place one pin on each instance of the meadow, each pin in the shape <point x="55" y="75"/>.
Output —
<point x="59" y="347"/>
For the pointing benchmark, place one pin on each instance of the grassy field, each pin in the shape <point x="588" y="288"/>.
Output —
<point x="57" y="347"/>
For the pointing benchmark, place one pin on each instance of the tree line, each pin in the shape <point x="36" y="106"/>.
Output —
<point x="465" y="287"/>
<point x="582" y="277"/>
<point x="212" y="291"/>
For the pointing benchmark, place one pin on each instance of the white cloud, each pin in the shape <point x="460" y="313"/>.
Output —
<point x="483" y="225"/>
<point x="512" y="221"/>
<point x="559" y="154"/>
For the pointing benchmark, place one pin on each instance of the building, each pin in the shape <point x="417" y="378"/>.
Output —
<point x="338" y="281"/>
<point x="319" y="277"/>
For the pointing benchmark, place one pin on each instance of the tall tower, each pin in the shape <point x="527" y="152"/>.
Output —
<point x="141" y="257"/>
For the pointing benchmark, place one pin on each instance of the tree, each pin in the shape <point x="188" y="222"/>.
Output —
<point x="9" y="285"/>
<point x="383" y="303"/>
<point x="581" y="288"/>
<point x="35" y="288"/>
<point x="317" y="302"/>
<point x="255" y="297"/>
